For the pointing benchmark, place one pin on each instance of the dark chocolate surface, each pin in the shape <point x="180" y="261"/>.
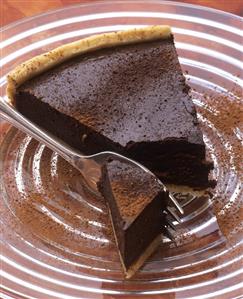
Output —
<point x="134" y="93"/>
<point x="130" y="99"/>
<point x="133" y="188"/>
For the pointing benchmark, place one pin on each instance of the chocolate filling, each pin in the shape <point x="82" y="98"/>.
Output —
<point x="136" y="201"/>
<point x="131" y="99"/>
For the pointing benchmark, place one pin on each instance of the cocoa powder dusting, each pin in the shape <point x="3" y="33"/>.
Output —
<point x="224" y="113"/>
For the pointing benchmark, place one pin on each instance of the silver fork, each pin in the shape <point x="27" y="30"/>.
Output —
<point x="89" y="166"/>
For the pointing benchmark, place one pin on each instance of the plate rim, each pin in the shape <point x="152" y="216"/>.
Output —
<point x="94" y="3"/>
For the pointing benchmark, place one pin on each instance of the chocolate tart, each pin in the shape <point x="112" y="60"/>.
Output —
<point x="136" y="203"/>
<point x="122" y="91"/>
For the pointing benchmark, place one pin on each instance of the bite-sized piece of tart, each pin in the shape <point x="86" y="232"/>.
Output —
<point x="137" y="202"/>
<point x="121" y="91"/>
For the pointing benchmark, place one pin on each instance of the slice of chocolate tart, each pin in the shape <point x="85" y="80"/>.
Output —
<point x="137" y="202"/>
<point x="122" y="91"/>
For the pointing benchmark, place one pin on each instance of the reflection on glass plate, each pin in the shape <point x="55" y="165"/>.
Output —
<point x="56" y="240"/>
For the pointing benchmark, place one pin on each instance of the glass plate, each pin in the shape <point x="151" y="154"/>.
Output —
<point x="55" y="237"/>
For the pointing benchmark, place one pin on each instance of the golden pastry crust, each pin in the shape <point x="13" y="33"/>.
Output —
<point x="44" y="62"/>
<point x="144" y="256"/>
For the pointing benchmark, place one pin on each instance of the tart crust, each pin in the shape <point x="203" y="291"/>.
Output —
<point x="44" y="62"/>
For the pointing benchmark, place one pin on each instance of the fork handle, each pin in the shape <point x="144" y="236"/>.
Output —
<point x="8" y="113"/>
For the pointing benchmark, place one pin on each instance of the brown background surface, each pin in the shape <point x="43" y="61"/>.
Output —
<point x="13" y="10"/>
